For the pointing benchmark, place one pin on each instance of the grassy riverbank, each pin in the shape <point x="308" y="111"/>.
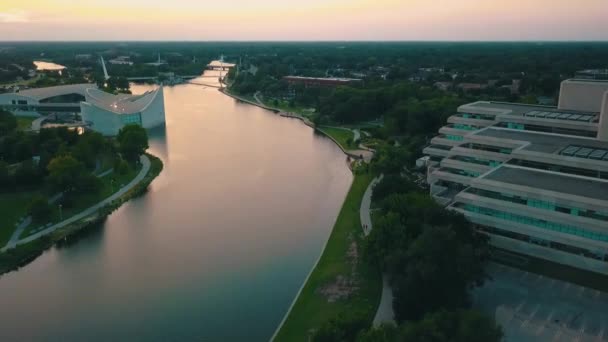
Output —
<point x="341" y="282"/>
<point x="344" y="137"/>
<point x="23" y="254"/>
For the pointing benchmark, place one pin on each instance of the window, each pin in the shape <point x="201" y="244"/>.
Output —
<point x="531" y="221"/>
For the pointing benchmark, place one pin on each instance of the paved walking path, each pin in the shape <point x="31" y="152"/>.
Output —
<point x="385" y="313"/>
<point x="89" y="211"/>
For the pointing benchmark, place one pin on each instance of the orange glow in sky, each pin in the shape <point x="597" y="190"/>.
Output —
<point x="303" y="20"/>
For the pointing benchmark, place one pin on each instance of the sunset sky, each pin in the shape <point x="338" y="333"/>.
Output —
<point x="303" y="20"/>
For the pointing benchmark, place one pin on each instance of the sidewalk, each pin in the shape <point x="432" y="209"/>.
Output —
<point x="385" y="313"/>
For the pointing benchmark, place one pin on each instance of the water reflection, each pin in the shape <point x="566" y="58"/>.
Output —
<point x="223" y="239"/>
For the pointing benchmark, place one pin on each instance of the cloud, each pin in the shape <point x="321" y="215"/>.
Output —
<point x="13" y="16"/>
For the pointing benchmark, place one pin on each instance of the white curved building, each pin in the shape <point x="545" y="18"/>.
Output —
<point x="100" y="111"/>
<point x="41" y="101"/>
<point x="107" y="113"/>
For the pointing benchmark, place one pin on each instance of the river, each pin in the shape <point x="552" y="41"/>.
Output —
<point x="215" y="251"/>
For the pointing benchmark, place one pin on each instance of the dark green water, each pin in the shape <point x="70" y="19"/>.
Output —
<point x="215" y="251"/>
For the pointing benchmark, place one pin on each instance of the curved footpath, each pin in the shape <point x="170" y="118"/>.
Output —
<point x="89" y="211"/>
<point x="385" y="313"/>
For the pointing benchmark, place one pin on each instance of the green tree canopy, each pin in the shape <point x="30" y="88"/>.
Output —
<point x="40" y="209"/>
<point x="8" y="122"/>
<point x="132" y="141"/>
<point x="441" y="326"/>
<point x="65" y="173"/>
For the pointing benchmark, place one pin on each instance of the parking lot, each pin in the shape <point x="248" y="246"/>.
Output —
<point x="531" y="307"/>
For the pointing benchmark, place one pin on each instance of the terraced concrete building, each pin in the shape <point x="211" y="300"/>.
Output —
<point x="534" y="178"/>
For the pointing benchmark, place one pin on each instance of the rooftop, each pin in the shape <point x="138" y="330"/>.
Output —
<point x="538" y="111"/>
<point x="339" y="79"/>
<point x="542" y="142"/>
<point x="43" y="93"/>
<point x="122" y="103"/>
<point x="560" y="183"/>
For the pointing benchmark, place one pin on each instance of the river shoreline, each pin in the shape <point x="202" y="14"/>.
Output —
<point x="15" y="258"/>
<point x="282" y="113"/>
<point x="330" y="244"/>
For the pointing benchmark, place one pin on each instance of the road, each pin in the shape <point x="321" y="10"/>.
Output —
<point x="89" y="211"/>
<point x="385" y="313"/>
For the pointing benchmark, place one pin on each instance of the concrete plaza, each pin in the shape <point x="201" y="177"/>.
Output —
<point x="531" y="307"/>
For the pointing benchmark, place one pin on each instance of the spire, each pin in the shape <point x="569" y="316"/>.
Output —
<point x="105" y="71"/>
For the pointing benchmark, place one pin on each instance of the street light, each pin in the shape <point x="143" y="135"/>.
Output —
<point x="60" y="213"/>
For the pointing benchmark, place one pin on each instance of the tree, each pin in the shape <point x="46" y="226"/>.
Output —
<point x="121" y="167"/>
<point x="27" y="174"/>
<point x="459" y="326"/>
<point x="5" y="176"/>
<point x="441" y="326"/>
<point x="391" y="184"/>
<point x="133" y="141"/>
<point x="40" y="209"/>
<point x="433" y="257"/>
<point x="8" y="122"/>
<point x="341" y="328"/>
<point x="65" y="173"/>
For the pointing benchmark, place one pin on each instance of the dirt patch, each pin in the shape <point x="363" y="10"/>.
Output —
<point x="344" y="285"/>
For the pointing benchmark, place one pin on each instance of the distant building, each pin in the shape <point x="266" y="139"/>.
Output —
<point x="533" y="178"/>
<point x="321" y="81"/>
<point x="592" y="74"/>
<point x="220" y="65"/>
<point x="100" y="111"/>
<point x="443" y="85"/>
<point x="471" y="86"/>
<point x="121" y="60"/>
<point x="83" y="56"/>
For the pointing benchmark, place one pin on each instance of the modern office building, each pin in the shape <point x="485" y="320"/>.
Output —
<point x="534" y="178"/>
<point x="100" y="111"/>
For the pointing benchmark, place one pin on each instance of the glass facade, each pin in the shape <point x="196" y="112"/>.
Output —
<point x="473" y="160"/>
<point x="466" y="173"/>
<point x="475" y="116"/>
<point x="513" y="125"/>
<point x="535" y="203"/>
<point x="131" y="119"/>
<point x="536" y="222"/>
<point x="464" y="127"/>
<point x="488" y="148"/>
<point x="454" y="137"/>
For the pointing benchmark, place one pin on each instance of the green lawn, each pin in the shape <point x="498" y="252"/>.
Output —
<point x="12" y="207"/>
<point x="343" y="136"/>
<point x="312" y="308"/>
<point x="24" y="122"/>
<point x="284" y="106"/>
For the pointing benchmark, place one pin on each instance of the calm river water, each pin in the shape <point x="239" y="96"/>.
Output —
<point x="215" y="251"/>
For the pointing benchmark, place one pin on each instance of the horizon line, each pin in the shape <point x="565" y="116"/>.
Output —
<point x="306" y="41"/>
